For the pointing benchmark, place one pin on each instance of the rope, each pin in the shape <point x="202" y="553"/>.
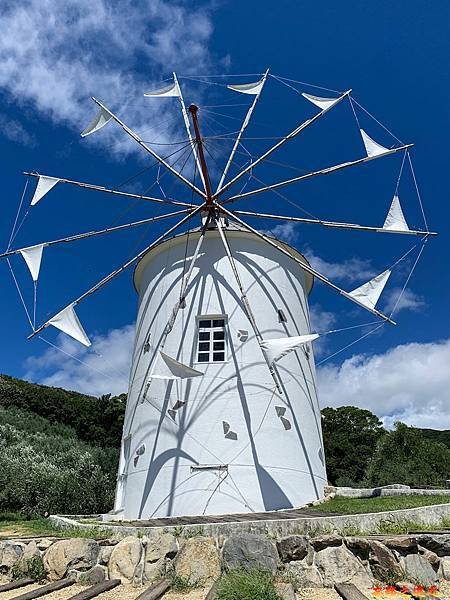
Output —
<point x="417" y="191"/>
<point x="20" y="294"/>
<point x="318" y="87"/>
<point x="354" y="112"/>
<point x="400" y="174"/>
<point x="409" y="276"/>
<point x="377" y="121"/>
<point x="351" y="344"/>
<point x="17" y="215"/>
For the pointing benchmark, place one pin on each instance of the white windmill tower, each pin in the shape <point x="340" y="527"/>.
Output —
<point x="222" y="413"/>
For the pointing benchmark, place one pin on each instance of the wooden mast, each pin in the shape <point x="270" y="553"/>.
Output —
<point x="193" y="109"/>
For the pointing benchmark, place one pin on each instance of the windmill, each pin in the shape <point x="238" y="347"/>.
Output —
<point x="222" y="413"/>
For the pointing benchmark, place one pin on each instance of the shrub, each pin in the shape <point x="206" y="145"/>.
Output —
<point x="241" y="584"/>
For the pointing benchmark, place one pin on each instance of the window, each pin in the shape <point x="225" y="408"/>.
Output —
<point x="211" y="345"/>
<point x="281" y="316"/>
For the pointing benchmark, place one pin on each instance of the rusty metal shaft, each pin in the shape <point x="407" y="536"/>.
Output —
<point x="193" y="109"/>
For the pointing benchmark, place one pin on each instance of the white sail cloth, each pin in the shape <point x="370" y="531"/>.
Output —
<point x="248" y="88"/>
<point x="322" y="103"/>
<point x="168" y="91"/>
<point x="395" y="219"/>
<point x="44" y="185"/>
<point x="373" y="148"/>
<point x="102" y="118"/>
<point x="276" y="348"/>
<point x="369" y="293"/>
<point x="68" y="322"/>
<point x="168" y="368"/>
<point x="33" y="256"/>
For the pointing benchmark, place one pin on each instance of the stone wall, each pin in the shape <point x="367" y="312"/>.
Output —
<point x="303" y="560"/>
<point x="395" y="489"/>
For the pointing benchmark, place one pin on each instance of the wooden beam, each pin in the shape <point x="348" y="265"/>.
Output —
<point x="96" y="590"/>
<point x="14" y="585"/>
<point x="349" y="591"/>
<point x="45" y="589"/>
<point x="155" y="591"/>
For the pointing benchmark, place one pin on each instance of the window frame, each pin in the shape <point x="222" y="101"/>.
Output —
<point x="223" y="328"/>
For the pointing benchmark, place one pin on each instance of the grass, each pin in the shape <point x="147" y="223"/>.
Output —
<point x="17" y="525"/>
<point x="242" y="584"/>
<point x="354" y="506"/>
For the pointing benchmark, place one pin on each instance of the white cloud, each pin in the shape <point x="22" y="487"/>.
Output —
<point x="15" y="131"/>
<point x="55" y="55"/>
<point x="410" y="383"/>
<point x="285" y="231"/>
<point x="408" y="301"/>
<point x="352" y="270"/>
<point x="104" y="368"/>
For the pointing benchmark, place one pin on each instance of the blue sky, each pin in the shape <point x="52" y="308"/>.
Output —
<point x="55" y="55"/>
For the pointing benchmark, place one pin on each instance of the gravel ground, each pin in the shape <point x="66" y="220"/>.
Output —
<point x="128" y="592"/>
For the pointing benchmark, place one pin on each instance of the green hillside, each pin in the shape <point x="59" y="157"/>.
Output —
<point x="59" y="450"/>
<point x="443" y="437"/>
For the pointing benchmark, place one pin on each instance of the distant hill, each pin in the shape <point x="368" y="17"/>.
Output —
<point x="98" y="421"/>
<point x="442" y="436"/>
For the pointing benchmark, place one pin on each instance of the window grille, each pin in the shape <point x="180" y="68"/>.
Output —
<point x="211" y="346"/>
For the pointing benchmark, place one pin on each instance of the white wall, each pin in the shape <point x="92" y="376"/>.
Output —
<point x="269" y="467"/>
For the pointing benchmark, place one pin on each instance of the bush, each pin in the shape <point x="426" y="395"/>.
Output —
<point x="405" y="455"/>
<point x="243" y="584"/>
<point x="46" y="468"/>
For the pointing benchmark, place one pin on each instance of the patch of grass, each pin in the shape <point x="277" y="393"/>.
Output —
<point x="181" y="584"/>
<point x="33" y="568"/>
<point x="17" y="525"/>
<point x="243" y="584"/>
<point x="354" y="506"/>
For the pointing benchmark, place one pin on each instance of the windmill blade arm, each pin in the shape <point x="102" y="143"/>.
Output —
<point x="125" y="266"/>
<point x="303" y="265"/>
<point x="245" y="303"/>
<point x="89" y="234"/>
<point x="325" y="171"/>
<point x="243" y="128"/>
<point x="150" y="150"/>
<point x="188" y="128"/>
<point x="271" y="150"/>
<point x="335" y="224"/>
<point x="100" y="188"/>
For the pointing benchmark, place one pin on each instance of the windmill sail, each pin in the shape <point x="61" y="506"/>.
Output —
<point x="68" y="322"/>
<point x="372" y="147"/>
<point x="322" y="103"/>
<point x="276" y="348"/>
<point x="395" y="219"/>
<point x="248" y="88"/>
<point x="169" y="368"/>
<point x="369" y="293"/>
<point x="33" y="256"/>
<point x="168" y="91"/>
<point x="102" y="118"/>
<point x="44" y="185"/>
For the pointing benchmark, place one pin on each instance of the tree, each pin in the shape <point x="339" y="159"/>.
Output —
<point x="350" y="436"/>
<point x="405" y="455"/>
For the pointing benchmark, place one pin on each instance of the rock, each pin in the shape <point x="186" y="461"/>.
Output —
<point x="337" y="564"/>
<point x="105" y="554"/>
<point x="431" y="557"/>
<point x="403" y="544"/>
<point x="303" y="575"/>
<point x="292" y="548"/>
<point x="198" y="561"/>
<point x="440" y="544"/>
<point x="249" y="551"/>
<point x="77" y="553"/>
<point x="124" y="559"/>
<point x="44" y="543"/>
<point x="161" y="546"/>
<point x="419" y="570"/>
<point x="10" y="554"/>
<point x="285" y="591"/>
<point x="359" y="546"/>
<point x="445" y="567"/>
<point x="324" y="541"/>
<point x="31" y="550"/>
<point x="383" y="563"/>
<point x="159" y="550"/>
<point x="97" y="574"/>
